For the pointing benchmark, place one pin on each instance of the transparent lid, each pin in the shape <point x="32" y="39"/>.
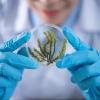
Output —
<point x="47" y="43"/>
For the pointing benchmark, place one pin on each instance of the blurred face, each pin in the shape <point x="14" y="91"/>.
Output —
<point x="53" y="11"/>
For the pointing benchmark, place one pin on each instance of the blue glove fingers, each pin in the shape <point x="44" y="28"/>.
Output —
<point x="94" y="93"/>
<point x="86" y="72"/>
<point x="1" y="92"/>
<point x="91" y="94"/>
<point x="10" y="72"/>
<point x="4" y="82"/>
<point x="18" y="61"/>
<point x="9" y="91"/>
<point x="90" y="82"/>
<point x="74" y="40"/>
<point x="77" y="59"/>
<point x="92" y="88"/>
<point x="97" y="91"/>
<point x="15" y="43"/>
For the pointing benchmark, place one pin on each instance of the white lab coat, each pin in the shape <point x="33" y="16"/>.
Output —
<point x="50" y="82"/>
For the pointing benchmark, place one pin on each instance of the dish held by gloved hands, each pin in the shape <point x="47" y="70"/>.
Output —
<point x="47" y="43"/>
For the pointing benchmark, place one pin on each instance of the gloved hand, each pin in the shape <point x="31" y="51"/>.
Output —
<point x="12" y="65"/>
<point x="84" y="64"/>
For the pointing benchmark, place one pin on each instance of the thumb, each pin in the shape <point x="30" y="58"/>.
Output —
<point x="16" y="42"/>
<point x="74" y="40"/>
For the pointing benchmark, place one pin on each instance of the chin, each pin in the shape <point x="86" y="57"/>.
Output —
<point x="57" y="20"/>
<point x="52" y="21"/>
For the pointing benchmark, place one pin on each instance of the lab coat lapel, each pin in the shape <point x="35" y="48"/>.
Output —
<point x="90" y="15"/>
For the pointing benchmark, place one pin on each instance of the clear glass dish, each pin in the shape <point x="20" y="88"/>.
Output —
<point x="47" y="43"/>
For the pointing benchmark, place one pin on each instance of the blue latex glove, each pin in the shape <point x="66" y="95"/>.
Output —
<point x="12" y="65"/>
<point x="84" y="64"/>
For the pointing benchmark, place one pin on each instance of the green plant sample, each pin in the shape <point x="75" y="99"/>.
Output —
<point x="46" y="51"/>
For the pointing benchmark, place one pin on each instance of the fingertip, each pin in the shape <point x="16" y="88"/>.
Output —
<point x="25" y="36"/>
<point x="28" y="34"/>
<point x="20" y="40"/>
<point x="34" y="64"/>
<point x="68" y="34"/>
<point x="74" y="40"/>
<point x="59" y="63"/>
<point x="66" y="30"/>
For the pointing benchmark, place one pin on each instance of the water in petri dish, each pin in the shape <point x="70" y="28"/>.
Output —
<point x="47" y="43"/>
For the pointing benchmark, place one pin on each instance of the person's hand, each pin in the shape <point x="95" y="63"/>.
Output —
<point x="84" y="64"/>
<point x="12" y="65"/>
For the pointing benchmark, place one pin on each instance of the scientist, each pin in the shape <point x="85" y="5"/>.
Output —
<point x="80" y="76"/>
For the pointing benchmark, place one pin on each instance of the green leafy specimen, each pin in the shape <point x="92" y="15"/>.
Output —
<point x="47" y="50"/>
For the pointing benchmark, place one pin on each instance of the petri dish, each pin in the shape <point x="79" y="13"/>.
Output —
<point x="47" y="43"/>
